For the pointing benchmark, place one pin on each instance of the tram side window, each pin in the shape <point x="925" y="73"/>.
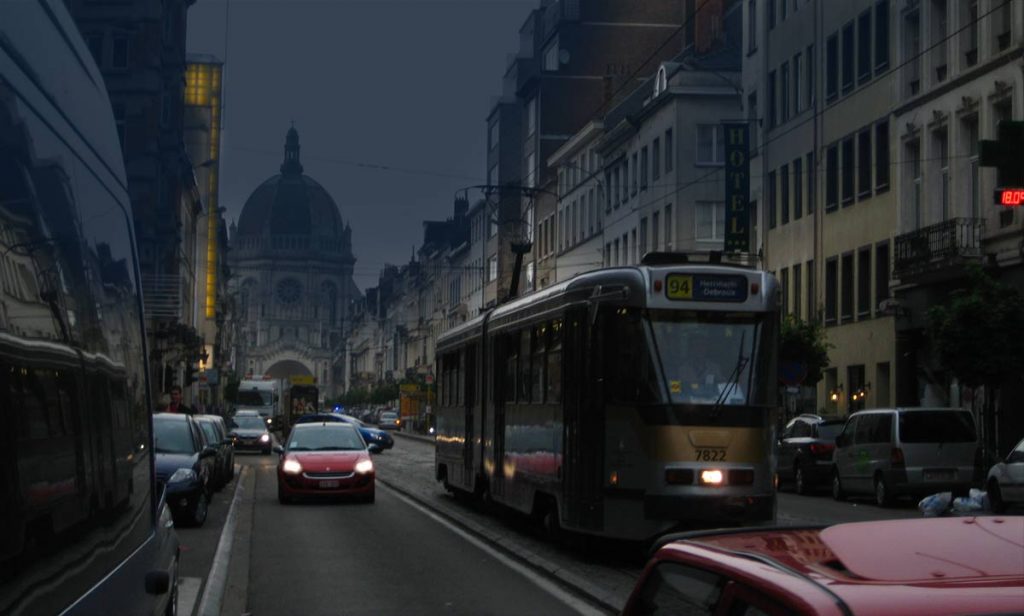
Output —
<point x="539" y="335"/>
<point x="628" y="372"/>
<point x="471" y="375"/>
<point x="524" y="366"/>
<point x="554" y="363"/>
<point x="460" y="375"/>
<point x="511" y="367"/>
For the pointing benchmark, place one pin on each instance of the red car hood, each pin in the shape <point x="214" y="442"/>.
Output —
<point x="328" y="461"/>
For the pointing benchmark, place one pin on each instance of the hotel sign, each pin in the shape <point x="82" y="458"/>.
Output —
<point x="737" y="187"/>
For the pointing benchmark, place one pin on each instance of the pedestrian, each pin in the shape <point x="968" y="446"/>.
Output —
<point x="176" y="405"/>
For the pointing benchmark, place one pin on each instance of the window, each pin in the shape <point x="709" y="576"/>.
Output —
<point x="831" y="290"/>
<point x="677" y="589"/>
<point x="643" y="168"/>
<point x="537" y="369"/>
<point x="784" y="92"/>
<point x="770" y="196"/>
<point x="668" y="150"/>
<point x="525" y="373"/>
<point x="849" y="164"/>
<point x="753" y="121"/>
<point x="709" y="221"/>
<point x="591" y="212"/>
<point x="784" y="189"/>
<point x="771" y="13"/>
<point x="797" y="92"/>
<point x="809" y="82"/>
<point x="1001" y="19"/>
<point x="531" y="116"/>
<point x="847" y="62"/>
<point x="492" y="136"/>
<point x="797" y="284"/>
<point x="553" y="373"/>
<point x="812" y="309"/>
<point x="670" y="232"/>
<point x="656" y="159"/>
<point x="940" y="46"/>
<point x="492" y="268"/>
<point x="625" y="249"/>
<point x="881" y="272"/>
<point x="811" y="173"/>
<point x="831" y="178"/>
<point x="119" y="59"/>
<point x="912" y="167"/>
<point x="531" y="169"/>
<point x="633" y="183"/>
<point x="831" y="68"/>
<point x="751" y="26"/>
<point x="120" y="122"/>
<point x="846" y="298"/>
<point x="782" y="7"/>
<point x="864" y="47"/>
<point x="710" y="144"/>
<point x="642" y="247"/>
<point x="784" y="289"/>
<point x="881" y="37"/>
<point x="864" y="283"/>
<point x="551" y="57"/>
<point x="940" y="149"/>
<point x="608" y="193"/>
<point x="655" y="230"/>
<point x="864" y="163"/>
<point x="798" y="188"/>
<point x="969" y="32"/>
<point x="882" y="156"/>
<point x="912" y="52"/>
<point x="969" y="147"/>
<point x="771" y="100"/>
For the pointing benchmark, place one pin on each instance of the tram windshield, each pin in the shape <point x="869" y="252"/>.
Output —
<point x="713" y="357"/>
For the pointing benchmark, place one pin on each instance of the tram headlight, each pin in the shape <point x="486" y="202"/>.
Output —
<point x="711" y="477"/>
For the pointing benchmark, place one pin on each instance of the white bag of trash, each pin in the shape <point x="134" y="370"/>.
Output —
<point x="977" y="501"/>
<point x="936" y="504"/>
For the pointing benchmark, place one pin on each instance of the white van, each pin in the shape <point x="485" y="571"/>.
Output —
<point x="906" y="451"/>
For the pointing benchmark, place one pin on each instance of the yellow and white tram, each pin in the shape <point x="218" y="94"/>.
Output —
<point x="624" y="402"/>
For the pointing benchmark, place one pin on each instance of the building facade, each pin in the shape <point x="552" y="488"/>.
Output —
<point x="291" y="264"/>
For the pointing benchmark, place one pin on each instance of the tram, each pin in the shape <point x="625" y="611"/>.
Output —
<point x="623" y="403"/>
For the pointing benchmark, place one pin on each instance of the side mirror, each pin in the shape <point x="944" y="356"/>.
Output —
<point x="278" y="449"/>
<point x="374" y="448"/>
<point x="207" y="452"/>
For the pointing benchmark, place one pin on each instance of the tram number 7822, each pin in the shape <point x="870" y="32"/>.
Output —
<point x="711" y="455"/>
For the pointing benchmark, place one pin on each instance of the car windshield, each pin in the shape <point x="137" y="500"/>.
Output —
<point x="829" y="430"/>
<point x="326" y="437"/>
<point x="209" y="431"/>
<point x="171" y="436"/>
<point x="388" y="416"/>
<point x="254" y="397"/>
<point x="937" y="427"/>
<point x="248" y="423"/>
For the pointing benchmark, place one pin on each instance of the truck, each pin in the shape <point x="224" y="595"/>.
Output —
<point x="305" y="397"/>
<point x="268" y="396"/>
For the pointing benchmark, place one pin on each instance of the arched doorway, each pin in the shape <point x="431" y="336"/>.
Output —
<point x="288" y="368"/>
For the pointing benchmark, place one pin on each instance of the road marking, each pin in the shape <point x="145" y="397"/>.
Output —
<point x="216" y="580"/>
<point x="579" y="605"/>
<point x="188" y="592"/>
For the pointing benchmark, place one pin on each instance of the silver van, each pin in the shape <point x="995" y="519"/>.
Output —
<point x="906" y="451"/>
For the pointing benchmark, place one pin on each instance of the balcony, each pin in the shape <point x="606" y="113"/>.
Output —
<point x="938" y="251"/>
<point x="161" y="296"/>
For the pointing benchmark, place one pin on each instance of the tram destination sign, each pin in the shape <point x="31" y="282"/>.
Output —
<point x="706" y="288"/>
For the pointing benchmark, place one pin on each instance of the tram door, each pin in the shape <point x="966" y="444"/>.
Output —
<point x="583" y="440"/>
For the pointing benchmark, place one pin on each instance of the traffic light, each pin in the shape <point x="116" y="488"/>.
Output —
<point x="190" y="374"/>
<point x="1006" y="154"/>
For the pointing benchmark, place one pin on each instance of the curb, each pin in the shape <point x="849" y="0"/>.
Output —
<point x="600" y="598"/>
<point x="216" y="580"/>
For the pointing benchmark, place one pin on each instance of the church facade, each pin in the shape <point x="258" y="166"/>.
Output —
<point x="291" y="264"/>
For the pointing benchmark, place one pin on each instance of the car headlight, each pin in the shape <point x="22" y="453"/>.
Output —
<point x="181" y="475"/>
<point x="264" y="438"/>
<point x="292" y="467"/>
<point x="364" y="466"/>
<point x="269" y="421"/>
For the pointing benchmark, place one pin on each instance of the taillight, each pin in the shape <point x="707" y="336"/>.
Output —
<point x="820" y="449"/>
<point x="896" y="457"/>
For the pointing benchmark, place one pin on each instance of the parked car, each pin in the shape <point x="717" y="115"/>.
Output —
<point x="216" y="433"/>
<point x="389" y="420"/>
<point x="906" y="451"/>
<point x="805" y="451"/>
<point x="325" y="459"/>
<point x="934" y="566"/>
<point x="369" y="433"/>
<point x="250" y="433"/>
<point x="1005" y="481"/>
<point x="184" y="466"/>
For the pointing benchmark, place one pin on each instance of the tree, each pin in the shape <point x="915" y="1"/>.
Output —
<point x="978" y="337"/>
<point x="802" y="346"/>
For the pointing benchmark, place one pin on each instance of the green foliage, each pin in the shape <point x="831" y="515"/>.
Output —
<point x="979" y="334"/>
<point x="804" y="342"/>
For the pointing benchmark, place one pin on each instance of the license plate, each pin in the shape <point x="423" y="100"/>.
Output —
<point x="326" y="485"/>
<point x="711" y="455"/>
<point x="939" y="475"/>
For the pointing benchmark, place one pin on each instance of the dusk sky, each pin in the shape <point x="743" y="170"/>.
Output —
<point x="402" y="84"/>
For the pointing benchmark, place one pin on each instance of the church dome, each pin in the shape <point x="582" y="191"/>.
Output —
<point x="290" y="203"/>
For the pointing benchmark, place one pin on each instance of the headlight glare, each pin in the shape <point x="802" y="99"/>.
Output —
<point x="364" y="466"/>
<point x="182" y="474"/>
<point x="292" y="467"/>
<point x="264" y="438"/>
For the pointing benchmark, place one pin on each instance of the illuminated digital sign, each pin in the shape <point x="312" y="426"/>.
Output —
<point x="1010" y="197"/>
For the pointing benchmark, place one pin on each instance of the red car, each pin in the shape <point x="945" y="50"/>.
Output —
<point x="969" y="565"/>
<point x="325" y="459"/>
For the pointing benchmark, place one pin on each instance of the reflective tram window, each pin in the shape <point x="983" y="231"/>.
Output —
<point x="75" y="472"/>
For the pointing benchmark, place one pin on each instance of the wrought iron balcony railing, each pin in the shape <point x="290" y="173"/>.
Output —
<point x="161" y="296"/>
<point x="937" y="247"/>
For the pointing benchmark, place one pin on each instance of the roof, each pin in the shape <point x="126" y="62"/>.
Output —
<point x="915" y="566"/>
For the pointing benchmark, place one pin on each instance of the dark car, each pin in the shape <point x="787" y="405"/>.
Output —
<point x="184" y="466"/>
<point x="250" y="433"/>
<point x="389" y="420"/>
<point x="935" y="566"/>
<point x="216" y="433"/>
<point x="328" y="458"/>
<point x="805" y="451"/>
<point x="369" y="433"/>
